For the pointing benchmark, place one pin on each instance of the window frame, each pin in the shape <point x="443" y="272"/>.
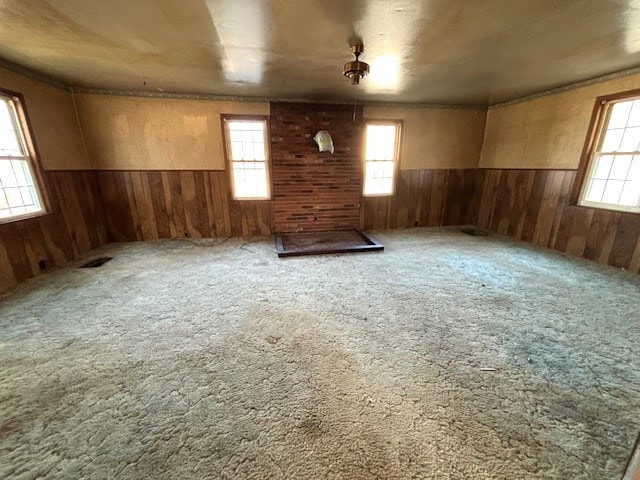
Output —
<point x="226" y="139"/>
<point x="396" y="157"/>
<point x="599" y="120"/>
<point x="26" y="136"/>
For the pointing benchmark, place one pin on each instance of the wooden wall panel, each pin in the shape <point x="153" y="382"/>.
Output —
<point x="147" y="205"/>
<point x="75" y="226"/>
<point x="424" y="198"/>
<point x="533" y="205"/>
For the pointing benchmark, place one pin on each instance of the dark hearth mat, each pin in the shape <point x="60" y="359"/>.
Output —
<point x="315" y="243"/>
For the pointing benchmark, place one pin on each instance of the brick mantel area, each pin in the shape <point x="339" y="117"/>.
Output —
<point x="315" y="190"/>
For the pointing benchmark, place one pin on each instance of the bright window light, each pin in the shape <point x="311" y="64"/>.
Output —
<point x="381" y="158"/>
<point x="247" y="158"/>
<point x="19" y="195"/>
<point x="613" y="177"/>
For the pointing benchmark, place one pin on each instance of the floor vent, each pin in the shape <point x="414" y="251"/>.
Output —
<point x="98" y="262"/>
<point x="475" y="232"/>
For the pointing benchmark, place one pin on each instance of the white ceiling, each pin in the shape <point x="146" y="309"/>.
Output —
<point x="428" y="51"/>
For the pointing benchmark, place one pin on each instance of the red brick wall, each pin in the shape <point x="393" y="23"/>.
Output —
<point x="313" y="190"/>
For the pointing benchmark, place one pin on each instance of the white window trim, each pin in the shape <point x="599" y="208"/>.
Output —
<point x="396" y="155"/>
<point x="227" y="152"/>
<point x="599" y="139"/>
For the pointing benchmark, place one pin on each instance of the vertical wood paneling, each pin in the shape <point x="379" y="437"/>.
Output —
<point x="429" y="197"/>
<point x="147" y="205"/>
<point x="75" y="226"/>
<point x="172" y="204"/>
<point x="92" y="208"/>
<point x="533" y="205"/>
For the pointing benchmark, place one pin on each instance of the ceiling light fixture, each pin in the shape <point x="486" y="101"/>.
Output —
<point x="356" y="69"/>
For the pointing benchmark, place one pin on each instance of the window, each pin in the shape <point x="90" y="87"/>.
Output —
<point x="381" y="157"/>
<point x="612" y="174"/>
<point x="247" y="157"/>
<point x="19" y="194"/>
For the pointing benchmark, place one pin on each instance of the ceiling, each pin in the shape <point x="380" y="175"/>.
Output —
<point x="429" y="51"/>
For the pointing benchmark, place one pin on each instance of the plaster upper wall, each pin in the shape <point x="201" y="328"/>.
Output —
<point x="53" y="121"/>
<point x="436" y="137"/>
<point x="546" y="132"/>
<point x="136" y="133"/>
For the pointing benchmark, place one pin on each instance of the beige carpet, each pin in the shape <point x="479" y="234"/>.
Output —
<point x="447" y="356"/>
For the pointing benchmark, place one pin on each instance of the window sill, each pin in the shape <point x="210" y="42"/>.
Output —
<point x="252" y="199"/>
<point x="20" y="218"/>
<point x="608" y="208"/>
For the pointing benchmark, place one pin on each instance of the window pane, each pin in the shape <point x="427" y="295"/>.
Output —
<point x="634" y="170"/>
<point x="27" y="197"/>
<point x="612" y="191"/>
<point x="380" y="142"/>
<point x="378" y="178"/>
<point x="612" y="139"/>
<point x="596" y="189"/>
<point x="17" y="189"/>
<point x="21" y="170"/>
<point x="13" y="197"/>
<point x="247" y="136"/>
<point x="620" y="114"/>
<point x="250" y="179"/>
<point x="244" y="125"/>
<point x="630" y="140"/>
<point x="620" y="167"/>
<point x="9" y="144"/>
<point x="247" y="150"/>
<point x="258" y="152"/>
<point x="603" y="166"/>
<point x="630" y="194"/>
<point x="634" y="117"/>
<point x="236" y="151"/>
<point x="18" y="211"/>
<point x="7" y="175"/>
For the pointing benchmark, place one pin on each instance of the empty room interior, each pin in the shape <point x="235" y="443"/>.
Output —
<point x="320" y="239"/>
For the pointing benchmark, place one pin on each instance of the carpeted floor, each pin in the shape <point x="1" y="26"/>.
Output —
<point x="447" y="356"/>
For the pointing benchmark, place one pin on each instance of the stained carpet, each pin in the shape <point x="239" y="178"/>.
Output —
<point x="447" y="356"/>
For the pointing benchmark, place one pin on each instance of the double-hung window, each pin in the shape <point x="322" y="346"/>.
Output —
<point x="612" y="176"/>
<point x="381" y="157"/>
<point x="247" y="153"/>
<point x="19" y="193"/>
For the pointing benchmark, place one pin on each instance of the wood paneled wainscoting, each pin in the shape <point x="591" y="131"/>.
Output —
<point x="534" y="206"/>
<point x="75" y="226"/>
<point x="147" y="205"/>
<point x="424" y="198"/>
